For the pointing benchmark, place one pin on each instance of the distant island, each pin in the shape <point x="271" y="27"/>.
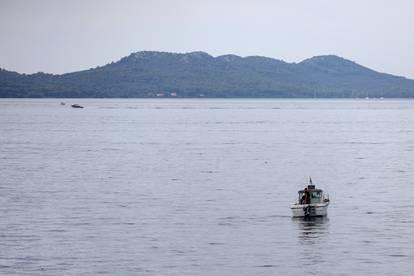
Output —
<point x="198" y="74"/>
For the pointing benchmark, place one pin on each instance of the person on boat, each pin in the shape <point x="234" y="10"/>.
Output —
<point x="303" y="198"/>
<point x="306" y="196"/>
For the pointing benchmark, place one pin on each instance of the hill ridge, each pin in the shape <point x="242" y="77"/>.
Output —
<point x="199" y="74"/>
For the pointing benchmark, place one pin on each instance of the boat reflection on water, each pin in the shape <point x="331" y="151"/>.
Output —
<point x="313" y="233"/>
<point x="311" y="228"/>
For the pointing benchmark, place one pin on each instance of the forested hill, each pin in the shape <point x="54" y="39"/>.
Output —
<point x="197" y="74"/>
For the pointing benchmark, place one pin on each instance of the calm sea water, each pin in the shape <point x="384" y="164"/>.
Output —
<point x="203" y="187"/>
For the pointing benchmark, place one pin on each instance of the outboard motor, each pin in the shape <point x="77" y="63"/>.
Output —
<point x="306" y="211"/>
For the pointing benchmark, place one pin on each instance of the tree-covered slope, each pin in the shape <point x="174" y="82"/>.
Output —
<point x="146" y="74"/>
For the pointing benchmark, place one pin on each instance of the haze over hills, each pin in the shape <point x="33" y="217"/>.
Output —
<point x="197" y="74"/>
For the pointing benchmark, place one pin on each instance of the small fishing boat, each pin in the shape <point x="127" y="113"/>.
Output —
<point x="76" y="106"/>
<point x="311" y="202"/>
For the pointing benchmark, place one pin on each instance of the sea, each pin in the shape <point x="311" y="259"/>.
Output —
<point x="204" y="186"/>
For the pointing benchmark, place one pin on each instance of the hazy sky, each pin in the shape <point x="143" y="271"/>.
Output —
<point x="62" y="36"/>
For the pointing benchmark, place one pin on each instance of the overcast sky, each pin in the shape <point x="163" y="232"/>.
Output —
<point x="58" y="36"/>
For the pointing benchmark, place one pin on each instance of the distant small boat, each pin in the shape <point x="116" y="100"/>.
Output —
<point x="311" y="202"/>
<point x="62" y="103"/>
<point x="76" y="106"/>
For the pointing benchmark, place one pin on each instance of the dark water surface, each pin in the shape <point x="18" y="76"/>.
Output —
<point x="203" y="187"/>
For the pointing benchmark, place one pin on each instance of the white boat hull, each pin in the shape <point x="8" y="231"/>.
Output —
<point x="310" y="210"/>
